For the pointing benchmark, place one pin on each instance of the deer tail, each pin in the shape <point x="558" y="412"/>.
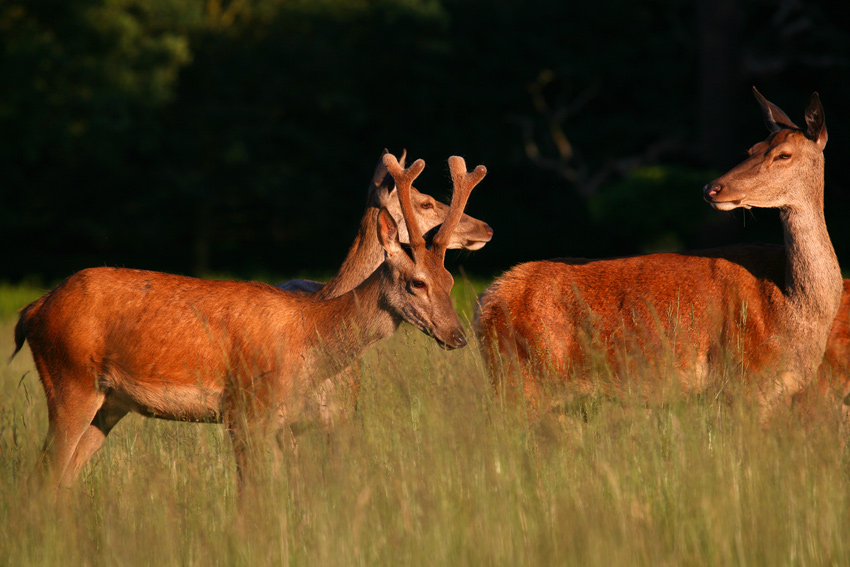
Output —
<point x="23" y="323"/>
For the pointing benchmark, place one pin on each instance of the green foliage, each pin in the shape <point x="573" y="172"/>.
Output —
<point x="239" y="136"/>
<point x="78" y="73"/>
<point x="660" y="207"/>
<point x="13" y="297"/>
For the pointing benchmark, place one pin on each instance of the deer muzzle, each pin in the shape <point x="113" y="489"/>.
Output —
<point x="721" y="197"/>
<point x="711" y="191"/>
<point x="455" y="339"/>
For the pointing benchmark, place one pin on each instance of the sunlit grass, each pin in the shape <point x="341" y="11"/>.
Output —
<point x="435" y="469"/>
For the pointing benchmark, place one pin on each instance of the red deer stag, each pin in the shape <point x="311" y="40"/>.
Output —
<point x="689" y="310"/>
<point x="366" y="253"/>
<point x="108" y="341"/>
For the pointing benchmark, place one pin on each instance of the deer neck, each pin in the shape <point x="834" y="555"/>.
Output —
<point x="364" y="256"/>
<point x="813" y="283"/>
<point x="354" y="321"/>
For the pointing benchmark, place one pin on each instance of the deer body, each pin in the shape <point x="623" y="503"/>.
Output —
<point x="541" y="318"/>
<point x="108" y="341"/>
<point x="142" y="357"/>
<point x="670" y="308"/>
<point x="837" y="356"/>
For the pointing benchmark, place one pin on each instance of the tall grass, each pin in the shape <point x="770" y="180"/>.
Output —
<point x="435" y="469"/>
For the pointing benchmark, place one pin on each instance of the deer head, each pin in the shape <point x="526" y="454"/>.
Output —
<point x="421" y="284"/>
<point x="780" y="171"/>
<point x="470" y="233"/>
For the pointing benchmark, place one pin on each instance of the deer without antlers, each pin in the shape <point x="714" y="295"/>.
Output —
<point x="366" y="253"/>
<point x="539" y="318"/>
<point x="109" y="341"/>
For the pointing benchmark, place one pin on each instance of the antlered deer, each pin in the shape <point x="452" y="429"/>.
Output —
<point x="366" y="253"/>
<point x="108" y="341"/>
<point x="689" y="310"/>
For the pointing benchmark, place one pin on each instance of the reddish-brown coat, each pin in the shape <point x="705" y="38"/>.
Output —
<point x="658" y="304"/>
<point x="108" y="341"/>
<point x="138" y="355"/>
<point x="688" y="311"/>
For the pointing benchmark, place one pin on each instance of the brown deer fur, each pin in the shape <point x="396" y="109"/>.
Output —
<point x="837" y="356"/>
<point x="688" y="311"/>
<point x="108" y="341"/>
<point x="831" y="388"/>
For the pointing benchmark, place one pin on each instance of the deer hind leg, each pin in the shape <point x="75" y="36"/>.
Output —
<point x="239" y="439"/>
<point x="93" y="437"/>
<point x="71" y="410"/>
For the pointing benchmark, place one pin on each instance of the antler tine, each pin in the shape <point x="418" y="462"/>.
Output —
<point x="381" y="169"/>
<point x="404" y="181"/>
<point x="463" y="183"/>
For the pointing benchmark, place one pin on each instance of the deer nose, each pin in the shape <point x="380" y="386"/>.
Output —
<point x="488" y="230"/>
<point x="711" y="190"/>
<point x="457" y="338"/>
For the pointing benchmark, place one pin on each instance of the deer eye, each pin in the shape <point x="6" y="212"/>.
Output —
<point x="783" y="156"/>
<point x="418" y="284"/>
<point x="427" y="205"/>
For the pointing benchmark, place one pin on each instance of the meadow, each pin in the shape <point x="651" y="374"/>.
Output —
<point x="435" y="468"/>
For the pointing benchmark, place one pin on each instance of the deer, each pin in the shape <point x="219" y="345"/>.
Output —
<point x="543" y="320"/>
<point x="366" y="253"/>
<point x="110" y="341"/>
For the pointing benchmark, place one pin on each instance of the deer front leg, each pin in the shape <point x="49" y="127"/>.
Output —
<point x="778" y="393"/>
<point x="337" y="396"/>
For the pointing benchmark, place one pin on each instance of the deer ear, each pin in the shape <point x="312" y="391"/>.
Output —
<point x="388" y="232"/>
<point x="774" y="118"/>
<point x="382" y="184"/>
<point x="815" y="125"/>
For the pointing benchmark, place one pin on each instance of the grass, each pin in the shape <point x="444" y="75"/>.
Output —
<point x="15" y="296"/>
<point x="435" y="469"/>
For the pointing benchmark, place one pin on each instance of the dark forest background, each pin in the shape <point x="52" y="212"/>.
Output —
<point x="239" y="137"/>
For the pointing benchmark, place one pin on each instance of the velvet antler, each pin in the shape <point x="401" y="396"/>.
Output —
<point x="404" y="181"/>
<point x="463" y="183"/>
